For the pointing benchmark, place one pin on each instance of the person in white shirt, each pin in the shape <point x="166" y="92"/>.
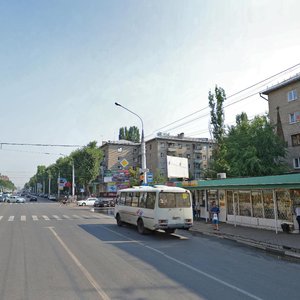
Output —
<point x="297" y="211"/>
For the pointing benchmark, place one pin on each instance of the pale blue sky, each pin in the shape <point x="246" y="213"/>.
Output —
<point x="65" y="62"/>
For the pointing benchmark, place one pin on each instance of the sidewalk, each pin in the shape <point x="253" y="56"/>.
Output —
<point x="285" y="244"/>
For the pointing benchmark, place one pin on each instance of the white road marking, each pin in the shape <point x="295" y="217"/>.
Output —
<point x="86" y="273"/>
<point x="23" y="218"/>
<point x="66" y="217"/>
<point x="11" y="218"/>
<point x="46" y="218"/>
<point x="1" y="218"/>
<point x="56" y="217"/>
<point x="87" y="217"/>
<point x="35" y="218"/>
<point x="244" y="292"/>
<point x="76" y="217"/>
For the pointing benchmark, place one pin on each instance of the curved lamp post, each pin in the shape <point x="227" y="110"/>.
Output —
<point x="143" y="147"/>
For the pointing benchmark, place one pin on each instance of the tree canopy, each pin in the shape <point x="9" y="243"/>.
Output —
<point x="87" y="166"/>
<point x="132" y="134"/>
<point x="253" y="148"/>
<point x="249" y="148"/>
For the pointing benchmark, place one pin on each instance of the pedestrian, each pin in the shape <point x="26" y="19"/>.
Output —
<point x="198" y="208"/>
<point x="214" y="210"/>
<point x="297" y="211"/>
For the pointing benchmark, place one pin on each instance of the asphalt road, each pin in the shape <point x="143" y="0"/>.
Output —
<point x="53" y="252"/>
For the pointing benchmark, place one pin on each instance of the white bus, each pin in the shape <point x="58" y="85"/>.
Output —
<point x="153" y="208"/>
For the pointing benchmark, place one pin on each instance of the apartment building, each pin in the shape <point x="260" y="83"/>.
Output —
<point x="284" y="111"/>
<point x="198" y="151"/>
<point x="118" y="157"/>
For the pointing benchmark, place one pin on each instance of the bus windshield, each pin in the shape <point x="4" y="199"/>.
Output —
<point x="173" y="200"/>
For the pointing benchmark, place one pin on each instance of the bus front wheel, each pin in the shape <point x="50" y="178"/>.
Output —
<point x="141" y="227"/>
<point x="119" y="221"/>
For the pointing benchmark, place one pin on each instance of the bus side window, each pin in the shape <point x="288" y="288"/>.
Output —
<point x="135" y="199"/>
<point x="128" y="199"/>
<point x="121" y="199"/>
<point x="142" y="202"/>
<point x="150" y="203"/>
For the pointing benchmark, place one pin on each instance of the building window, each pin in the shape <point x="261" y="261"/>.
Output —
<point x="179" y="146"/>
<point x="292" y="95"/>
<point x="294" y="117"/>
<point x="150" y="147"/>
<point x="162" y="145"/>
<point x="296" y="140"/>
<point x="161" y="154"/>
<point x="297" y="163"/>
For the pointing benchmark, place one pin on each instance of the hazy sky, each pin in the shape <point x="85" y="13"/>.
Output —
<point x="65" y="62"/>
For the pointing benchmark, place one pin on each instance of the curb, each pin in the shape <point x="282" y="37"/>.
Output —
<point x="269" y="248"/>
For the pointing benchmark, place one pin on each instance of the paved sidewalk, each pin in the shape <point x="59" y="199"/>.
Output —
<point x="286" y="244"/>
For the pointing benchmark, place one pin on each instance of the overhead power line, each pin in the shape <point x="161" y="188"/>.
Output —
<point x="229" y="104"/>
<point x="40" y="145"/>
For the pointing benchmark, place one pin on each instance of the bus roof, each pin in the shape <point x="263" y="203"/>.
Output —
<point x="154" y="188"/>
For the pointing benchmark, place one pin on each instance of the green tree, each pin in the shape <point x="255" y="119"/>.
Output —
<point x="216" y="101"/>
<point x="7" y="185"/>
<point x="132" y="134"/>
<point x="87" y="164"/>
<point x="253" y="148"/>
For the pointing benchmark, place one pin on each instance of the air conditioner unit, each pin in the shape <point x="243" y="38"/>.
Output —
<point x="221" y="175"/>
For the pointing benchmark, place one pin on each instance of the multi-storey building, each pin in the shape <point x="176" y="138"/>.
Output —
<point x="198" y="151"/>
<point x="284" y="111"/>
<point x="118" y="157"/>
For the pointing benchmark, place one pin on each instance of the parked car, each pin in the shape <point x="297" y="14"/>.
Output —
<point x="33" y="198"/>
<point x="104" y="202"/>
<point x="52" y="197"/>
<point x="88" y="202"/>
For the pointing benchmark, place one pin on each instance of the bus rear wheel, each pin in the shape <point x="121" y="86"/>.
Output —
<point x="141" y="227"/>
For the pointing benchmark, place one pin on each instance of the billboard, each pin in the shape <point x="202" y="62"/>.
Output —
<point x="177" y="167"/>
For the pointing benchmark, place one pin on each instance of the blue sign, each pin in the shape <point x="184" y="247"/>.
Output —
<point x="149" y="177"/>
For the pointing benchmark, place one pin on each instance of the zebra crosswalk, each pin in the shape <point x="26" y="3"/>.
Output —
<point x="24" y="218"/>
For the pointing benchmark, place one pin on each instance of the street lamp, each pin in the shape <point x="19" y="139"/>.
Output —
<point x="144" y="167"/>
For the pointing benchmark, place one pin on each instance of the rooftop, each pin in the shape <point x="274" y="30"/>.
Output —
<point x="281" y="84"/>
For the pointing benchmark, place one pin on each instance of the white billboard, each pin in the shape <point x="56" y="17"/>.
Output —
<point x="177" y="167"/>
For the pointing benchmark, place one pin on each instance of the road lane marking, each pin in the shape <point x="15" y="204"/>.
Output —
<point x="205" y="274"/>
<point x="66" y="217"/>
<point x="56" y="217"/>
<point x="46" y="218"/>
<point x="1" y="218"/>
<point x="76" y="217"/>
<point x="35" y="218"/>
<point x="23" y="218"/>
<point x="11" y="218"/>
<point x="86" y="273"/>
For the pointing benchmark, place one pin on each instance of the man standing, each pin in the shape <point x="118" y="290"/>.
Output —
<point x="297" y="211"/>
<point x="215" y="215"/>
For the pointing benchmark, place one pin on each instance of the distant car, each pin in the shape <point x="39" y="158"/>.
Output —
<point x="88" y="202"/>
<point x="104" y="202"/>
<point x="11" y="199"/>
<point x="52" y="198"/>
<point x="2" y="199"/>
<point x="33" y="198"/>
<point x="20" y="200"/>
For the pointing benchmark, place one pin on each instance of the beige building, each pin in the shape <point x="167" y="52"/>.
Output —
<point x="284" y="111"/>
<point x="118" y="156"/>
<point x="198" y="151"/>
